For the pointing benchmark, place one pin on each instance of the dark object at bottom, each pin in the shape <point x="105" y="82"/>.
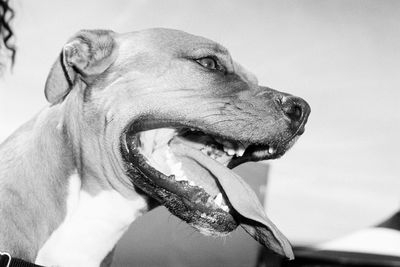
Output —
<point x="307" y="257"/>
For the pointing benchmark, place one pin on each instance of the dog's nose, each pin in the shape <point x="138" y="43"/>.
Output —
<point x="297" y="110"/>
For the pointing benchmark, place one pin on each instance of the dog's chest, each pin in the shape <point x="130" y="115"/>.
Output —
<point x="91" y="228"/>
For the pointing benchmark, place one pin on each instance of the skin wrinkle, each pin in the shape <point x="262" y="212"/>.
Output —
<point x="111" y="93"/>
<point x="103" y="167"/>
<point x="116" y="167"/>
<point x="222" y="121"/>
<point x="226" y="111"/>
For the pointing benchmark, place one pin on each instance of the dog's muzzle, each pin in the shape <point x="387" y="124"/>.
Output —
<point x="187" y="170"/>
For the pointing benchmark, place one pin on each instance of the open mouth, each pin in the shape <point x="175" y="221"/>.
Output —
<point x="188" y="171"/>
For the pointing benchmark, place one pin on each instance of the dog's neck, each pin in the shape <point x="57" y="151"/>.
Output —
<point x="53" y="195"/>
<point x="33" y="184"/>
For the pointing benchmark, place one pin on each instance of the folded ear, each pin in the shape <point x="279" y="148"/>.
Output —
<point x="87" y="54"/>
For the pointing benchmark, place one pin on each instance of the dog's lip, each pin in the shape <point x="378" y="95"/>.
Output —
<point x="162" y="187"/>
<point x="167" y="182"/>
<point x="148" y="122"/>
<point x="253" y="220"/>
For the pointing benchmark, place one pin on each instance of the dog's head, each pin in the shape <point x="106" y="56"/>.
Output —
<point x="172" y="113"/>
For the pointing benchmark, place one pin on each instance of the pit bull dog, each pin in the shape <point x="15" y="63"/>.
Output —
<point x="137" y="120"/>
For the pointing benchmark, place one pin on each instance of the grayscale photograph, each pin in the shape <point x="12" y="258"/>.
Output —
<point x="188" y="133"/>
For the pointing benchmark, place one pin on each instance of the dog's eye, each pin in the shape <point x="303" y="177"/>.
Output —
<point x="209" y="63"/>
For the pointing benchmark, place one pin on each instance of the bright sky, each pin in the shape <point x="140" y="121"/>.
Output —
<point x="342" y="56"/>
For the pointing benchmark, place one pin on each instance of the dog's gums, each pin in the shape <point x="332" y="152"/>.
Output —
<point x="187" y="171"/>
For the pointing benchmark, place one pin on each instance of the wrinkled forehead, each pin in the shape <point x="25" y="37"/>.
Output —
<point x="170" y="41"/>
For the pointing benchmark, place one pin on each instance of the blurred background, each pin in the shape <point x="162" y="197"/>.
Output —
<point x="342" y="56"/>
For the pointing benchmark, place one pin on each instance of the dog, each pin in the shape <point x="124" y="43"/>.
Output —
<point x="137" y="120"/>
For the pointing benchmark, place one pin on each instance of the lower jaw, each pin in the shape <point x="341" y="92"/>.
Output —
<point x="190" y="202"/>
<point x="187" y="202"/>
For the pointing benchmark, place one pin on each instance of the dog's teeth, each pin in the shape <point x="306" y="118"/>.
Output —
<point x="225" y="208"/>
<point x="220" y="202"/>
<point x="230" y="151"/>
<point x="218" y="199"/>
<point x="271" y="150"/>
<point x="240" y="151"/>
<point x="180" y="177"/>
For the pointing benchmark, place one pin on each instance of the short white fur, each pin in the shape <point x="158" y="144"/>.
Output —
<point x="92" y="227"/>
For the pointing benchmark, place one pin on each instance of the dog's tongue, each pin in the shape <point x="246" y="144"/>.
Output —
<point x="242" y="198"/>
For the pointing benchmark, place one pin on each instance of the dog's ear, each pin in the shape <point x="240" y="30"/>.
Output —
<point x="87" y="54"/>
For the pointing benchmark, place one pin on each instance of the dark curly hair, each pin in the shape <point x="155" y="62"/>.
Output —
<point x="6" y="32"/>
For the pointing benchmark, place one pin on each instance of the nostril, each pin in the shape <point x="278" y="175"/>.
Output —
<point x="295" y="108"/>
<point x="294" y="112"/>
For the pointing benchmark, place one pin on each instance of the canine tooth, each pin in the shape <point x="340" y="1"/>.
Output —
<point x="271" y="150"/>
<point x="240" y="151"/>
<point x="218" y="199"/>
<point x="230" y="152"/>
